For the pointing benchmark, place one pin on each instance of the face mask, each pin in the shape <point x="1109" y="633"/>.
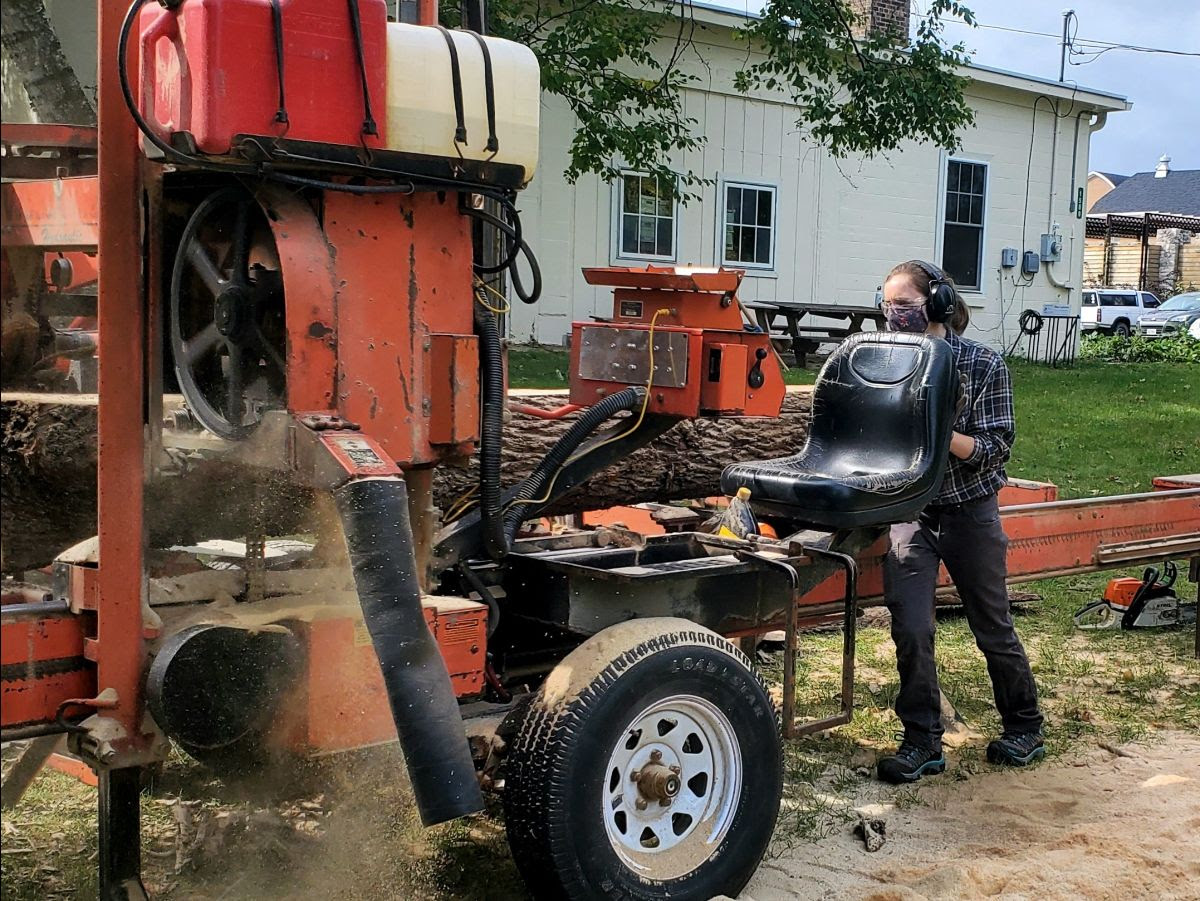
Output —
<point x="907" y="319"/>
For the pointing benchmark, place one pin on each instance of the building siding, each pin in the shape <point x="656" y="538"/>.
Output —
<point x="841" y="224"/>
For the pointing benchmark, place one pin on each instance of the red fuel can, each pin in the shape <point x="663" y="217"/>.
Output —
<point x="209" y="68"/>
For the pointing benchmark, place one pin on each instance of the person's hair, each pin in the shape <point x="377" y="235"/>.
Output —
<point x="961" y="316"/>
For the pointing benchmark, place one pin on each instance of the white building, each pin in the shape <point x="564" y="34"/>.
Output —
<point x="807" y="227"/>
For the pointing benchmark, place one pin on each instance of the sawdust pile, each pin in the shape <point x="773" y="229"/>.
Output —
<point x="1100" y="826"/>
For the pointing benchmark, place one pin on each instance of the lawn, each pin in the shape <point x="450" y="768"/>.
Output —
<point x="346" y="827"/>
<point x="1104" y="428"/>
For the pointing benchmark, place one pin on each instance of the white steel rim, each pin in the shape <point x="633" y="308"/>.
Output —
<point x="668" y="839"/>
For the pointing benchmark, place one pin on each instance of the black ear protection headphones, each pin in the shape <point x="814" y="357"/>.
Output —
<point x="942" y="299"/>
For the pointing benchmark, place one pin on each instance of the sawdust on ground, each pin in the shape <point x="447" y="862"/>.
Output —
<point x="1099" y="826"/>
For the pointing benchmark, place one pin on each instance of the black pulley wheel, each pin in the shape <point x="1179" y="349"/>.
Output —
<point x="216" y="689"/>
<point x="648" y="766"/>
<point x="226" y="316"/>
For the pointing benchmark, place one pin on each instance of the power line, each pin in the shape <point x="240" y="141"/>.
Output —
<point x="1108" y="45"/>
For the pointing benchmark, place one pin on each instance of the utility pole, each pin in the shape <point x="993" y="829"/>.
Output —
<point x="1068" y="15"/>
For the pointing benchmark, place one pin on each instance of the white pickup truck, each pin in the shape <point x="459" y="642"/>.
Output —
<point x="1114" y="311"/>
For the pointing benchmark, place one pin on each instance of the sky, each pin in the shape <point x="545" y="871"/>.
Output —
<point x="1164" y="89"/>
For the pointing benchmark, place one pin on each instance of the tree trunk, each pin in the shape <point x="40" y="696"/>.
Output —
<point x="48" y="475"/>
<point x="32" y="49"/>
<point x="683" y="464"/>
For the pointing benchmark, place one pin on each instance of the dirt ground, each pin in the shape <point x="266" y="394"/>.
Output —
<point x="1098" y="825"/>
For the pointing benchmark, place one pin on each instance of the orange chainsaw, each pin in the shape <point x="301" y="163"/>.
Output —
<point x="1138" y="603"/>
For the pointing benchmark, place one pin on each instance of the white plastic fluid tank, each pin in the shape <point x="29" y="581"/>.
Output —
<point x="421" y="114"/>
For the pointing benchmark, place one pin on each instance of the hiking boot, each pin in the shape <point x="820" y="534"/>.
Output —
<point x="910" y="763"/>
<point x="1016" y="749"/>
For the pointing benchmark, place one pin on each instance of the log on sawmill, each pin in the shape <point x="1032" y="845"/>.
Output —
<point x="48" y="475"/>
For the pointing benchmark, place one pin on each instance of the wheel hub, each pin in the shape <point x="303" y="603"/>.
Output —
<point x="230" y="313"/>
<point x="672" y="786"/>
<point x="657" y="782"/>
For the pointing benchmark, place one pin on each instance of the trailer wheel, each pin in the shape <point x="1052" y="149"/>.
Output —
<point x="647" y="766"/>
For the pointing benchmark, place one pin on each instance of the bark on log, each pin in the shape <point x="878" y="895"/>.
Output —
<point x="683" y="464"/>
<point x="32" y="49"/>
<point x="48" y="475"/>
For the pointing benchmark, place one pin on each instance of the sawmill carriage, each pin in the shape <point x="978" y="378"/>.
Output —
<point x="300" y="214"/>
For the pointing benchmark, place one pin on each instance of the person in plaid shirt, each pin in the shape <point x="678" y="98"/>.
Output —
<point x="962" y="529"/>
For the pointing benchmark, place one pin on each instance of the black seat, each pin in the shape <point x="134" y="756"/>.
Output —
<point x="882" y="413"/>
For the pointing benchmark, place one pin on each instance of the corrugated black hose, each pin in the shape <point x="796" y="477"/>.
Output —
<point x="491" y="368"/>
<point x="536" y="485"/>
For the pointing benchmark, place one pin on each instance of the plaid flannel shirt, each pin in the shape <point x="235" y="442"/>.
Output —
<point x="987" y="417"/>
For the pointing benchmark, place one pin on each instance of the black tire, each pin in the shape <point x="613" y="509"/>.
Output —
<point x="1121" y="328"/>
<point x="561" y="784"/>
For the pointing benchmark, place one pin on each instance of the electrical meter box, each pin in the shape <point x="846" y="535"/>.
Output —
<point x="1008" y="257"/>
<point x="1031" y="262"/>
<point x="1051" y="248"/>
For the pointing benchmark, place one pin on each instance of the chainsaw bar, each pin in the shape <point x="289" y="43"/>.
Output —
<point x="1161" y="611"/>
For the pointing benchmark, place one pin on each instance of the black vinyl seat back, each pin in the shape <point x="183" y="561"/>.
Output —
<point x="877" y="448"/>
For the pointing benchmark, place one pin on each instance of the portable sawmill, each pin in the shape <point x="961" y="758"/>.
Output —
<point x="305" y="225"/>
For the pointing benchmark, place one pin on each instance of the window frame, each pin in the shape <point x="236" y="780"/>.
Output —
<point x="943" y="188"/>
<point x="723" y="187"/>
<point x="618" y="221"/>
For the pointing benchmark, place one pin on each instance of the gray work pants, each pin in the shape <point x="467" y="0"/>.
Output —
<point x="970" y="540"/>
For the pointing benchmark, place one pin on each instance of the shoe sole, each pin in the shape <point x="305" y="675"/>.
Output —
<point x="929" y="768"/>
<point x="1002" y="759"/>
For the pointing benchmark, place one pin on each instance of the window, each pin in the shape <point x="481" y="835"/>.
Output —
<point x="1117" y="300"/>
<point x="962" y="235"/>
<point x="1089" y="299"/>
<point x="1150" y="301"/>
<point x="645" y="218"/>
<point x="749" y="236"/>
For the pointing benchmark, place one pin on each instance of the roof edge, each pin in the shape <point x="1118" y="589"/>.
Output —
<point x="712" y="14"/>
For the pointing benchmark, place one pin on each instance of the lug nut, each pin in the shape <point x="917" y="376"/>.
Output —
<point x="641" y="803"/>
<point x="656" y="756"/>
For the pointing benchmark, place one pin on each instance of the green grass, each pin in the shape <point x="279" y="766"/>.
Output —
<point x="1106" y="428"/>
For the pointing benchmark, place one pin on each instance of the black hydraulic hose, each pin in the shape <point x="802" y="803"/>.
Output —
<point x="491" y="368"/>
<point x="300" y="181"/>
<point x="538" y="481"/>
<point x="532" y="295"/>
<point x="374" y="514"/>
<point x="516" y="248"/>
<point x="485" y="594"/>
<point x="511" y="229"/>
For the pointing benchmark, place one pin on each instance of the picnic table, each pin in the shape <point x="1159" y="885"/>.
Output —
<point x="793" y="322"/>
